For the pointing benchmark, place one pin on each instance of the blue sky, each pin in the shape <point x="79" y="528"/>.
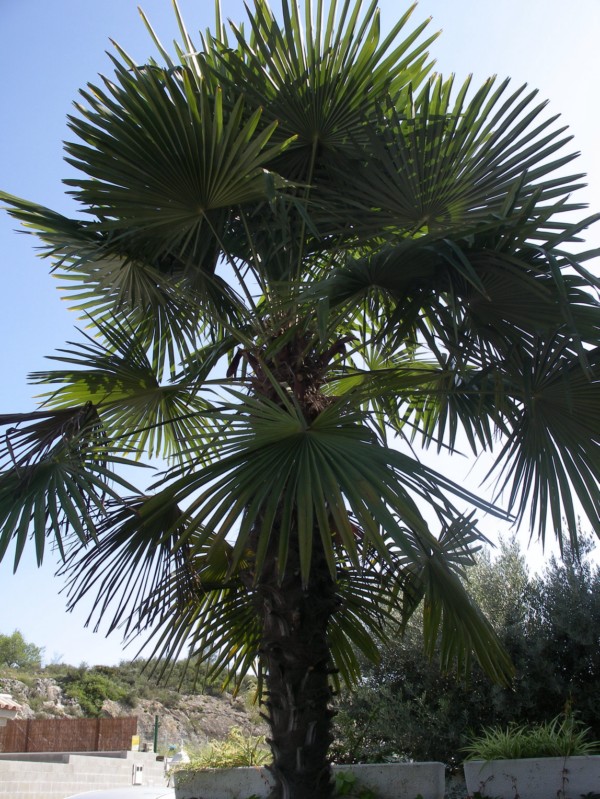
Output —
<point x="50" y="50"/>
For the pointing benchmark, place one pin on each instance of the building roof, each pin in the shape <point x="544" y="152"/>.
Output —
<point x="8" y="703"/>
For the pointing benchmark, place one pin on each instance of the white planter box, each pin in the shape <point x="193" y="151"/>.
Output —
<point x="534" y="778"/>
<point x="387" y="781"/>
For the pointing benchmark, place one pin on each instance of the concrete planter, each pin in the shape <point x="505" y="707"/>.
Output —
<point x="387" y="781"/>
<point x="534" y="778"/>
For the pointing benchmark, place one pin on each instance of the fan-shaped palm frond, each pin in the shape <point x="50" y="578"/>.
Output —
<point x="167" y="164"/>
<point x="553" y="446"/>
<point x="164" y="312"/>
<point x="318" y="86"/>
<point x="116" y="377"/>
<point x="445" y="165"/>
<point x="273" y="461"/>
<point x="56" y="474"/>
<point x="170" y="311"/>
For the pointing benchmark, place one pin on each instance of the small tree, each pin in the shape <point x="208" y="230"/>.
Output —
<point x="499" y="581"/>
<point x="562" y="630"/>
<point x="17" y="653"/>
<point x="298" y="250"/>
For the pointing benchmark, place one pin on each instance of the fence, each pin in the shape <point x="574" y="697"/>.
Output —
<point x="68" y="735"/>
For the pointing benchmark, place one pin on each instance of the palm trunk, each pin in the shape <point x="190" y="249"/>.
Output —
<point x="296" y="661"/>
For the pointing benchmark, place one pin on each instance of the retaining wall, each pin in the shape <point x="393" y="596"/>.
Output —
<point x="57" y="775"/>
<point x="384" y="780"/>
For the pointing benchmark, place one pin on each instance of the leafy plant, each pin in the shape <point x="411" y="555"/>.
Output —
<point x="238" y="749"/>
<point x="561" y="737"/>
<point x="348" y="785"/>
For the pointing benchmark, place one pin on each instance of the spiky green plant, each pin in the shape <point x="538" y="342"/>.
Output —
<point x="561" y="737"/>
<point x="236" y="750"/>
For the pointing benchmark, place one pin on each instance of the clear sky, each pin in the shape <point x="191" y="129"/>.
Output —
<point x="51" y="49"/>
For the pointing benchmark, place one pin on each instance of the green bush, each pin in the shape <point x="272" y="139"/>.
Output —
<point x="91" y="688"/>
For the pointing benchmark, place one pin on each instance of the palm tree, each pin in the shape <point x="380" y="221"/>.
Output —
<point x="300" y="250"/>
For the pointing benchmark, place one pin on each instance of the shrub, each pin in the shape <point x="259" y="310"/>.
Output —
<point x="91" y="689"/>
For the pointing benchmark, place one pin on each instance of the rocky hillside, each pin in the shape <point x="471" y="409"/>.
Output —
<point x="193" y="719"/>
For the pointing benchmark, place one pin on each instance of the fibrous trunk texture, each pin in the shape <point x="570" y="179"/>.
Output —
<point x="296" y="660"/>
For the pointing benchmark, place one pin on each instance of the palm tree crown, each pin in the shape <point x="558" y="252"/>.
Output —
<point x="299" y="251"/>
